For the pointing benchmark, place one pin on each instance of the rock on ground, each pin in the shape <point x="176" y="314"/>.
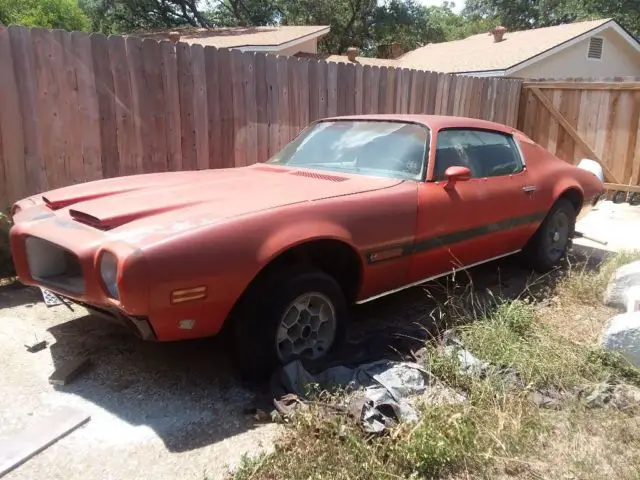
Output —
<point x="622" y="335"/>
<point x="625" y="277"/>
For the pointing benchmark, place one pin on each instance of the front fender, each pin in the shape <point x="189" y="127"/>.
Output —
<point x="290" y="236"/>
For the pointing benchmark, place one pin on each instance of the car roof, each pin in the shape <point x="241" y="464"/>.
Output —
<point x="435" y="122"/>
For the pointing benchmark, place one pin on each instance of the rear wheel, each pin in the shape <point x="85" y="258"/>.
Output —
<point x="296" y="314"/>
<point x="551" y="242"/>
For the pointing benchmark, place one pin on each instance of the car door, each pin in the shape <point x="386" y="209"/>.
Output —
<point x="468" y="222"/>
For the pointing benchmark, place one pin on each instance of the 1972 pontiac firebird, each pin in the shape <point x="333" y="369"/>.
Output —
<point x="352" y="209"/>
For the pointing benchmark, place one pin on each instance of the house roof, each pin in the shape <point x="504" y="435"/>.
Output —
<point x="480" y="53"/>
<point x="246" y="38"/>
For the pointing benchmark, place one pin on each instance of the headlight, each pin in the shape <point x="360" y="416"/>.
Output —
<point x="109" y="273"/>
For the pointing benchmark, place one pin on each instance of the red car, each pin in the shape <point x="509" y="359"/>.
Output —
<point x="353" y="209"/>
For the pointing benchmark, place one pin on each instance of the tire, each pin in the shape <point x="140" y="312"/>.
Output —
<point x="257" y="327"/>
<point x="552" y="240"/>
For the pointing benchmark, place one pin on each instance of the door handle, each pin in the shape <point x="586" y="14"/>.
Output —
<point x="529" y="189"/>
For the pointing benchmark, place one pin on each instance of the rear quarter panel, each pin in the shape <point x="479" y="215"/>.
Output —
<point x="553" y="176"/>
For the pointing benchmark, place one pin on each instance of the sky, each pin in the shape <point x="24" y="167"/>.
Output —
<point x="437" y="3"/>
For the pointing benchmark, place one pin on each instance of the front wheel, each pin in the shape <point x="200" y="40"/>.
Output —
<point x="296" y="314"/>
<point x="552" y="240"/>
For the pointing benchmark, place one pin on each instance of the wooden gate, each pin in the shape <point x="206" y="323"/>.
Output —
<point x="588" y="119"/>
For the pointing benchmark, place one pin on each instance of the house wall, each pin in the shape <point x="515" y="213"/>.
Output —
<point x="618" y="59"/>
<point x="310" y="46"/>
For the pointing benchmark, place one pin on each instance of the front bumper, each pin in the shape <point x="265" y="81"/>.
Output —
<point x="140" y="326"/>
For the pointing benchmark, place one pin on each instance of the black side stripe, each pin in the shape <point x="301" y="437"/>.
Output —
<point x="459" y="236"/>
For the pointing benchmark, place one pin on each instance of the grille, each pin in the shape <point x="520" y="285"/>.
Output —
<point x="54" y="266"/>
<point x="319" y="176"/>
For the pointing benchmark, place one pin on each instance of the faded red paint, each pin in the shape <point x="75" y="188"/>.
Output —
<point x="219" y="228"/>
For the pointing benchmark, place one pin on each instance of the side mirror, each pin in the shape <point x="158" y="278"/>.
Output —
<point x="457" y="174"/>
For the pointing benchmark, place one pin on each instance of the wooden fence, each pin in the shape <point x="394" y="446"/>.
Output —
<point x="76" y="107"/>
<point x="594" y="119"/>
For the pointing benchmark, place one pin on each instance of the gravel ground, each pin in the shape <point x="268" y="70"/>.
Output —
<point x="178" y="410"/>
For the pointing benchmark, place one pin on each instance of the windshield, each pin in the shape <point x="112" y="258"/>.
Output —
<point x="388" y="149"/>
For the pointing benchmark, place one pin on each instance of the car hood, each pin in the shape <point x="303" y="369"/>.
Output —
<point x="166" y="198"/>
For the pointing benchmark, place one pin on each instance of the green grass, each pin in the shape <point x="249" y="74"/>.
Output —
<point x="498" y="431"/>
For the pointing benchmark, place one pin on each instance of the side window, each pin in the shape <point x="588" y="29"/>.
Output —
<point x="486" y="154"/>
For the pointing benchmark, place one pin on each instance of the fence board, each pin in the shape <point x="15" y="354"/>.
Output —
<point x="105" y="89"/>
<point x="155" y="145"/>
<point x="187" y="114"/>
<point x="261" y="99"/>
<point x="201" y="120"/>
<point x="239" y="109"/>
<point x="272" y="103"/>
<point x="173" y="129"/>
<point x="88" y="106"/>
<point x="74" y="125"/>
<point x="141" y="133"/>
<point x="251" y="109"/>
<point x="124" y="106"/>
<point x="226" y="108"/>
<point x="14" y="184"/>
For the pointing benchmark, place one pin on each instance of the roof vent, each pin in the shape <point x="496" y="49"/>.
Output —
<point x="498" y="33"/>
<point x="595" y="48"/>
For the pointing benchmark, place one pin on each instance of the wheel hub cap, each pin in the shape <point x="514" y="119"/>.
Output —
<point x="307" y="327"/>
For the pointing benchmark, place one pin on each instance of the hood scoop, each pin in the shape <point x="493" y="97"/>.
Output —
<point x="104" y="219"/>
<point x="319" y="176"/>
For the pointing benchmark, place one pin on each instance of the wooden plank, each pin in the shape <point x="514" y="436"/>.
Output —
<point x="173" y="129"/>
<point x="283" y="102"/>
<point x="431" y="93"/>
<point x="251" y="108"/>
<point x="554" y="126"/>
<point x="343" y="89"/>
<point x="314" y="86"/>
<point x="226" y="108"/>
<point x="567" y="126"/>
<point x="125" y="110"/>
<point x="403" y="88"/>
<point x="262" y="120"/>
<point x="88" y="106"/>
<point x="187" y="114"/>
<point x="200" y="114"/>
<point x="451" y="98"/>
<point x="389" y="106"/>
<point x="14" y="186"/>
<point x="139" y="110"/>
<point x="584" y="85"/>
<point x="350" y="84"/>
<point x="239" y="109"/>
<point x="382" y="90"/>
<point x="272" y="104"/>
<point x="358" y="92"/>
<point x="631" y="155"/>
<point x="622" y="132"/>
<point x="323" y="93"/>
<point x="367" y="89"/>
<point x="25" y="74"/>
<point x="332" y="89"/>
<point x="48" y="104"/>
<point x="622" y="187"/>
<point x="40" y="434"/>
<point x="374" y="106"/>
<point x="155" y="146"/>
<point x="417" y="92"/>
<point x="303" y="94"/>
<point x="69" y="370"/>
<point x="610" y="132"/>
<point x="71" y="121"/>
<point x="211" y="56"/>
<point x="109" y="153"/>
<point x="441" y="94"/>
<point x="565" y="141"/>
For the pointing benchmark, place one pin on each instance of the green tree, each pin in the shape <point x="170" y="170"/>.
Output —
<point x="65" y="14"/>
<point x="526" y="14"/>
<point x="124" y="16"/>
